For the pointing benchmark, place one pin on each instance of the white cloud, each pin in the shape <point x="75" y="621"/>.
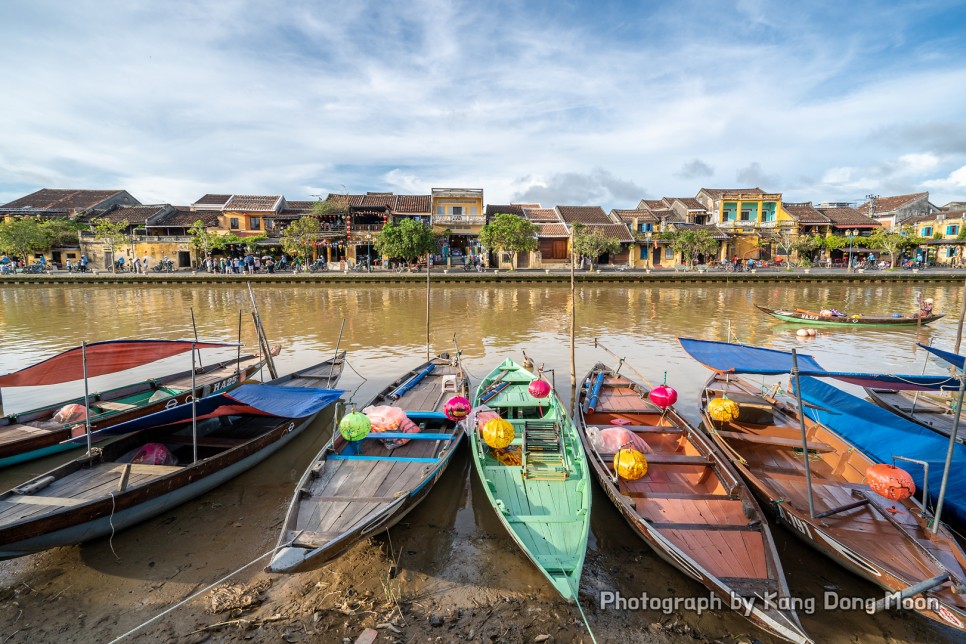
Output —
<point x="955" y="182"/>
<point x="176" y="99"/>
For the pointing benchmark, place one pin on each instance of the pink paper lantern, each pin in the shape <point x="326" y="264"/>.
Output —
<point x="456" y="408"/>
<point x="663" y="396"/>
<point x="539" y="388"/>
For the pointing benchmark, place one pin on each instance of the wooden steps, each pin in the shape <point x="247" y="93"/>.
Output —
<point x="543" y="456"/>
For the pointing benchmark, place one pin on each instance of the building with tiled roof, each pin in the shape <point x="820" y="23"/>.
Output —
<point x="844" y="218"/>
<point x="459" y="213"/>
<point x="254" y="203"/>
<point x="211" y="202"/>
<point x="52" y="203"/>
<point x="511" y="209"/>
<point x="893" y="211"/>
<point x="651" y="204"/>
<point x="688" y="209"/>
<point x="553" y="230"/>
<point x="136" y="216"/>
<point x="538" y="215"/>
<point x="421" y="205"/>
<point x="583" y="215"/>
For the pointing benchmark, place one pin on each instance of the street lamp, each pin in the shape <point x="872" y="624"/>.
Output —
<point x="850" y="234"/>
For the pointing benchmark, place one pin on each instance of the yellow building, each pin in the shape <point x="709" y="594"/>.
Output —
<point x="460" y="212"/>
<point x="752" y="217"/>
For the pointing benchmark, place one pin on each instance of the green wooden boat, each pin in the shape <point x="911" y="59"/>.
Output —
<point x="538" y="485"/>
<point x="813" y="317"/>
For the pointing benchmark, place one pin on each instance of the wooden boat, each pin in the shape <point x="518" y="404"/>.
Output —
<point x="105" y="491"/>
<point x="354" y="490"/>
<point x="36" y="433"/>
<point x="539" y="486"/>
<point x="931" y="410"/>
<point x="890" y="543"/>
<point x="816" y="317"/>
<point x="691" y="507"/>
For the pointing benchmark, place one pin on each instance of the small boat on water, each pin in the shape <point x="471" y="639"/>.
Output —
<point x="356" y="489"/>
<point x="889" y="542"/>
<point x="931" y="410"/>
<point x="690" y="506"/>
<point x="161" y="461"/>
<point x="538" y="484"/>
<point x="828" y="318"/>
<point x="40" y="432"/>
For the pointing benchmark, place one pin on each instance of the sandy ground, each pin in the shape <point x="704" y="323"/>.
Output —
<point x="448" y="573"/>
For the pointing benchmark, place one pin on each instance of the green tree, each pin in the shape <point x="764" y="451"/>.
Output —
<point x="205" y="242"/>
<point x="408" y="240"/>
<point x="834" y="242"/>
<point x="508" y="233"/>
<point x="299" y="237"/>
<point x="692" y="242"/>
<point x="806" y="245"/>
<point x="61" y="232"/>
<point x="111" y="234"/>
<point x="595" y="243"/>
<point x="892" y="241"/>
<point x="333" y="205"/>
<point x="22" y="236"/>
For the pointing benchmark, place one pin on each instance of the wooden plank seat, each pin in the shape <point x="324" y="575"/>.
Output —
<point x="113" y="406"/>
<point x="776" y="441"/>
<point x="635" y="494"/>
<point x="711" y="527"/>
<point x="663" y="459"/>
<point x="649" y="429"/>
<point x="354" y="499"/>
<point x="363" y="457"/>
<point x="424" y="436"/>
<point x="541" y="518"/>
<point x="311" y="539"/>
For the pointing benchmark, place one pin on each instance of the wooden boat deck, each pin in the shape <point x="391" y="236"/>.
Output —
<point x="932" y="410"/>
<point x="886" y="540"/>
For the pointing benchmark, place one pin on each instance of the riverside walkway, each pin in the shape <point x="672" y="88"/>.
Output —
<point x="497" y="276"/>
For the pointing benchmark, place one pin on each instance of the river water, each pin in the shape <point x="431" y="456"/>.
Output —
<point x="385" y="334"/>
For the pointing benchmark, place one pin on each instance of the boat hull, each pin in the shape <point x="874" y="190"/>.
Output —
<point x="805" y="317"/>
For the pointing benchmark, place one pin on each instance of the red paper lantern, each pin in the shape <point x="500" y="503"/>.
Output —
<point x="456" y="408"/>
<point x="890" y="481"/>
<point x="663" y="396"/>
<point x="539" y="388"/>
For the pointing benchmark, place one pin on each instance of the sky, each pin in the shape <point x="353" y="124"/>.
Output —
<point x="561" y="103"/>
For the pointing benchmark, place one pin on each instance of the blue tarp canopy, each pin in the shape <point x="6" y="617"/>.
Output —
<point x="725" y="357"/>
<point x="952" y="358"/>
<point x="264" y="400"/>
<point x="880" y="435"/>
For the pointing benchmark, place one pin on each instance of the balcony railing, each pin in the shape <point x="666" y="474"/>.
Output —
<point x="459" y="220"/>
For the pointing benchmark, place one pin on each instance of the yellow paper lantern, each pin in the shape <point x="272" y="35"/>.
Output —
<point x="498" y="433"/>
<point x="723" y="409"/>
<point x="630" y="464"/>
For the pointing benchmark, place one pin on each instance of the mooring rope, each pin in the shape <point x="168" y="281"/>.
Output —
<point x="581" y="611"/>
<point x="197" y="594"/>
<point x="110" y="520"/>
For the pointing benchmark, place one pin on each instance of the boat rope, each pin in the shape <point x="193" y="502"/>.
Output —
<point x="110" y="520"/>
<point x="198" y="593"/>
<point x="364" y="379"/>
<point x="580" y="609"/>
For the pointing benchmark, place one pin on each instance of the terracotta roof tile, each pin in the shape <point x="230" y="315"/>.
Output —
<point x="253" y="203"/>
<point x="304" y="206"/>
<point x="61" y="200"/>
<point x="888" y="204"/>
<point x="805" y="213"/>
<point x="212" y="200"/>
<point x="584" y="214"/>
<point x="414" y="204"/>
<point x="541" y="214"/>
<point x="618" y="231"/>
<point x="652" y="204"/>
<point x="511" y="209"/>
<point x="645" y="216"/>
<point x="378" y="200"/>
<point x="135" y="215"/>
<point x="718" y="192"/>
<point x="689" y="202"/>
<point x="552" y="230"/>
<point x="848" y="217"/>
<point x="182" y="217"/>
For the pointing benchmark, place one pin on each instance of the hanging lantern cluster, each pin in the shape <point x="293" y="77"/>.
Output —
<point x="630" y="464"/>
<point x="456" y="408"/>
<point x="498" y="433"/>
<point x="890" y="481"/>
<point x="723" y="409"/>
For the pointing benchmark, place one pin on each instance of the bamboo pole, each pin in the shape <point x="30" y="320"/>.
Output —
<point x="194" y="406"/>
<point x="260" y="330"/>
<point x="949" y="453"/>
<point x="597" y="344"/>
<point x="87" y="401"/>
<point x="801" y="421"/>
<point x="238" y="352"/>
<point x="428" y="271"/>
<point x="959" y="328"/>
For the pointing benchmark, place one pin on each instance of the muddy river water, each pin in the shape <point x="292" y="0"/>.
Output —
<point x="453" y="538"/>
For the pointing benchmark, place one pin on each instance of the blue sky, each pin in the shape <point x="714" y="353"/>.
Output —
<point x="563" y="103"/>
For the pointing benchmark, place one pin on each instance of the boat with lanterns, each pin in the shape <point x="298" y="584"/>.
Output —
<point x="527" y="453"/>
<point x="860" y="513"/>
<point x="380" y="463"/>
<point x="830" y="317"/>
<point x="681" y="495"/>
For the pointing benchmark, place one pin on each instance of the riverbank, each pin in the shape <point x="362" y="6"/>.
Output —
<point x="538" y="276"/>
